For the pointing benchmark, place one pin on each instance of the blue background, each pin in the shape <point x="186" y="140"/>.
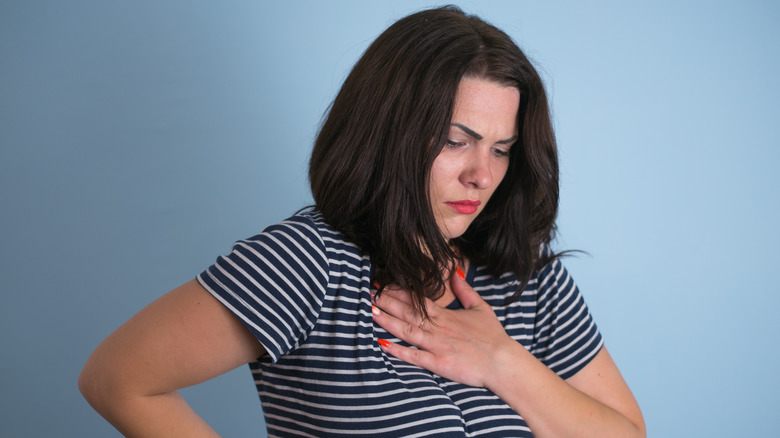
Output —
<point x="139" y="139"/>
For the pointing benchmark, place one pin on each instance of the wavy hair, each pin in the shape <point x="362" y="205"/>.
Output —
<point x="370" y="166"/>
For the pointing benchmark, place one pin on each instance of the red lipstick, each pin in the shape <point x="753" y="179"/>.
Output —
<point x="465" y="206"/>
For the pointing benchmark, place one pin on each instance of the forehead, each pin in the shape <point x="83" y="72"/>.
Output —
<point x="486" y="93"/>
<point x="486" y="105"/>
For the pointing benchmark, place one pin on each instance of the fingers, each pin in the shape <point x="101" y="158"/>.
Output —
<point x="467" y="296"/>
<point x="411" y="332"/>
<point x="397" y="303"/>
<point x="396" y="293"/>
<point x="413" y="356"/>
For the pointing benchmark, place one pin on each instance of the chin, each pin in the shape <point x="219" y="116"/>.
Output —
<point x="453" y="231"/>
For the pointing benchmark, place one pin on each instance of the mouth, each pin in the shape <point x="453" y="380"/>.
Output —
<point x="465" y="206"/>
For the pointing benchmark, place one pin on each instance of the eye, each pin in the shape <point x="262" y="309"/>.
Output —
<point x="501" y="152"/>
<point x="453" y="144"/>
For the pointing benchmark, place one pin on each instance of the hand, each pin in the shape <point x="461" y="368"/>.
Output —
<point x="460" y="345"/>
<point x="470" y="346"/>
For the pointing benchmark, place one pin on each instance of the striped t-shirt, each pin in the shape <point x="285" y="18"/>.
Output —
<point x="304" y="292"/>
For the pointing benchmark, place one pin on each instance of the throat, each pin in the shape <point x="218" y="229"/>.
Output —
<point x="447" y="298"/>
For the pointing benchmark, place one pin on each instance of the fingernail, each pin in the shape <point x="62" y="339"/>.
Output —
<point x="460" y="273"/>
<point x="375" y="310"/>
<point x="383" y="343"/>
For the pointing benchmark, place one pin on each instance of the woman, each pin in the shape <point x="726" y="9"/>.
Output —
<point x="437" y="157"/>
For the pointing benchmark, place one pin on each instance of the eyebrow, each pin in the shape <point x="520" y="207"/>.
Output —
<point x="472" y="133"/>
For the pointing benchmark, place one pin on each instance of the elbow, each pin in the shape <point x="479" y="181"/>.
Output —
<point x="640" y="427"/>
<point x="100" y="386"/>
<point x="90" y="387"/>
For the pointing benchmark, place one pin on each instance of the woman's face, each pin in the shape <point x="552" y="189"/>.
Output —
<point x="476" y="156"/>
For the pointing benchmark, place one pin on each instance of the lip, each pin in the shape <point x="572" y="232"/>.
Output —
<point x="465" y="206"/>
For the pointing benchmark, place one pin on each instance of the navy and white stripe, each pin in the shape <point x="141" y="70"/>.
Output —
<point x="304" y="293"/>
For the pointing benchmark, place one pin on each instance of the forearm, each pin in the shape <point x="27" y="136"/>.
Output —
<point x="166" y="415"/>
<point x="554" y="408"/>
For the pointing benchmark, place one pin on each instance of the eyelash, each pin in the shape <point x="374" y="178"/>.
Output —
<point x="456" y="144"/>
<point x="502" y="153"/>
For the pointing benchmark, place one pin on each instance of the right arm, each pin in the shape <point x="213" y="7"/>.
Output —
<point x="183" y="338"/>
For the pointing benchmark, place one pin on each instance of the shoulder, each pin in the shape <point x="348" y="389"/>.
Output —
<point x="306" y="225"/>
<point x="552" y="277"/>
<point x="307" y="231"/>
<point x="546" y="278"/>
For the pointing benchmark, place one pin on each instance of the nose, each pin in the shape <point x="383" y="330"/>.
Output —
<point x="477" y="172"/>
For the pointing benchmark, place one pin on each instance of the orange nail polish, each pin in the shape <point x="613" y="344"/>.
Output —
<point x="383" y="343"/>
<point x="460" y="273"/>
<point x="375" y="310"/>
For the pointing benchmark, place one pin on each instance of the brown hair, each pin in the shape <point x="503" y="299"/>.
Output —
<point x="369" y="170"/>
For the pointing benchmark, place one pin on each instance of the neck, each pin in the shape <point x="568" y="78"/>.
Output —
<point x="449" y="296"/>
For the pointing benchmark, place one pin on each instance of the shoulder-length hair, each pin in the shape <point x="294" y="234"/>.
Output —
<point x="371" y="162"/>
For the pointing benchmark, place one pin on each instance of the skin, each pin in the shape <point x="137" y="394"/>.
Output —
<point x="476" y="156"/>
<point x="187" y="337"/>
<point x="470" y="345"/>
<point x="183" y="338"/>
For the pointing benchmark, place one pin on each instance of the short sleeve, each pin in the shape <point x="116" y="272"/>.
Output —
<point x="274" y="283"/>
<point x="565" y="336"/>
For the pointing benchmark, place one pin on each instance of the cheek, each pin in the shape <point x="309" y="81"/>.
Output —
<point x="502" y="171"/>
<point x="499" y="167"/>
<point x="438" y="177"/>
<point x="499" y="173"/>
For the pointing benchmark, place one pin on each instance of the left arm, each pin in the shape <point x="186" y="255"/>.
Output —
<point x="470" y="346"/>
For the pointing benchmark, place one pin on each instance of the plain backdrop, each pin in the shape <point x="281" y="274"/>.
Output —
<point x="139" y="140"/>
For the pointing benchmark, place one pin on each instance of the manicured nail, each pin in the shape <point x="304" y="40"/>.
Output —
<point x="375" y="285"/>
<point x="383" y="343"/>
<point x="460" y="273"/>
<point x="375" y="310"/>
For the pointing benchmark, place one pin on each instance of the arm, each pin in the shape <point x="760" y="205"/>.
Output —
<point x="183" y="338"/>
<point x="470" y="346"/>
<point x="594" y="402"/>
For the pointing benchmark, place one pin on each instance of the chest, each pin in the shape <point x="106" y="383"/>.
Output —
<point x="338" y="382"/>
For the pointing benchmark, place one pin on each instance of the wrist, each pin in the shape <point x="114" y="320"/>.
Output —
<point x="508" y="364"/>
